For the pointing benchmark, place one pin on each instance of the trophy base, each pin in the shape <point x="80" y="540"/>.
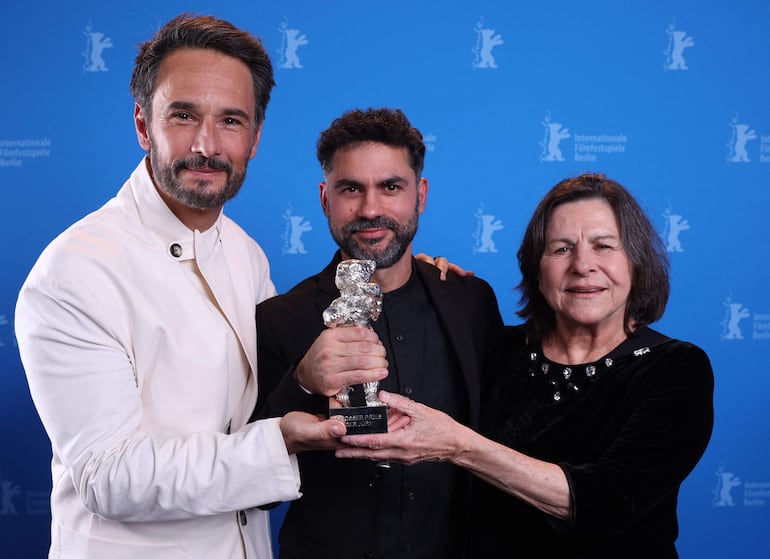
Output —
<point x="363" y="420"/>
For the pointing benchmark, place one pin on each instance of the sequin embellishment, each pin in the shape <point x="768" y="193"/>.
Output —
<point x="568" y="380"/>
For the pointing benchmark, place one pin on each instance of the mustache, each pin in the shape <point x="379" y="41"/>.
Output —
<point x="201" y="161"/>
<point x="380" y="222"/>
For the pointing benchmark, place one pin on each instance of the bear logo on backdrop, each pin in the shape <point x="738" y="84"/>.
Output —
<point x="674" y="225"/>
<point x="553" y="135"/>
<point x="726" y="482"/>
<point x="15" y="501"/>
<point x="486" y="40"/>
<point x="586" y="147"/>
<point x="96" y="42"/>
<point x="8" y="490"/>
<point x="740" y="136"/>
<point x="678" y="40"/>
<point x="754" y="494"/>
<point x="486" y="225"/>
<point x="291" y="40"/>
<point x="731" y="324"/>
<point x="292" y="236"/>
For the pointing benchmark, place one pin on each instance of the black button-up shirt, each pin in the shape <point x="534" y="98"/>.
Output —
<point x="416" y="503"/>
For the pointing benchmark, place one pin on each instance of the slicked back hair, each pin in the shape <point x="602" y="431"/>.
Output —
<point x="203" y="32"/>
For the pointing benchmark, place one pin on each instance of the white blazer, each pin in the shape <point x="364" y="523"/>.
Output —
<point x="143" y="373"/>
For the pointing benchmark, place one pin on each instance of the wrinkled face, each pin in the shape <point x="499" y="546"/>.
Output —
<point x="373" y="201"/>
<point x="202" y="131"/>
<point x="585" y="273"/>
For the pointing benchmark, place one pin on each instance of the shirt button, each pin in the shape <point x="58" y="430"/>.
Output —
<point x="375" y="480"/>
<point x="399" y="337"/>
<point x="408" y="390"/>
<point x="411" y="495"/>
<point x="175" y="250"/>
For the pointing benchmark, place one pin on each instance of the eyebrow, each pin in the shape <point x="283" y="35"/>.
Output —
<point x="395" y="179"/>
<point x="592" y="239"/>
<point x="604" y="236"/>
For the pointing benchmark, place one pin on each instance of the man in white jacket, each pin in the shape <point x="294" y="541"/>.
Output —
<point x="136" y="328"/>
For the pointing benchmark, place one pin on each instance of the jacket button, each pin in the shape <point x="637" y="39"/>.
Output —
<point x="175" y="250"/>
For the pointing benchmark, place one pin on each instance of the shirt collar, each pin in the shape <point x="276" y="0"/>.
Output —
<point x="180" y="242"/>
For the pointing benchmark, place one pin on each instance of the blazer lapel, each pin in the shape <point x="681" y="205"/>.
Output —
<point x="227" y="282"/>
<point x="459" y="330"/>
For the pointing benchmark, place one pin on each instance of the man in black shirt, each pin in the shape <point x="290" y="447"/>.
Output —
<point x="429" y="343"/>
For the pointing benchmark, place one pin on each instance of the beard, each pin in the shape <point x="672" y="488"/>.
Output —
<point x="197" y="197"/>
<point x="364" y="250"/>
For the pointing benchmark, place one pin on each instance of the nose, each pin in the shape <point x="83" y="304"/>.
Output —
<point x="206" y="141"/>
<point x="370" y="205"/>
<point x="583" y="261"/>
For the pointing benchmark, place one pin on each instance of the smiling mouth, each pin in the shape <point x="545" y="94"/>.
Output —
<point x="373" y="238"/>
<point x="372" y="232"/>
<point x="203" y="165"/>
<point x="585" y="290"/>
<point x="204" y="170"/>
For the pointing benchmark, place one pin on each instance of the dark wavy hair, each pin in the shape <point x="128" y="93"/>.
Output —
<point x="650" y="284"/>
<point x="205" y="32"/>
<point x="385" y="126"/>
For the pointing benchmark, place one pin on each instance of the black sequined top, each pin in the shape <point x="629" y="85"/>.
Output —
<point x="626" y="429"/>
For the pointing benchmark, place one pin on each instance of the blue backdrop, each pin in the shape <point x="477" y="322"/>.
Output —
<point x="670" y="98"/>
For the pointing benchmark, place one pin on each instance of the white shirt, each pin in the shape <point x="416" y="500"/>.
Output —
<point x="141" y="358"/>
